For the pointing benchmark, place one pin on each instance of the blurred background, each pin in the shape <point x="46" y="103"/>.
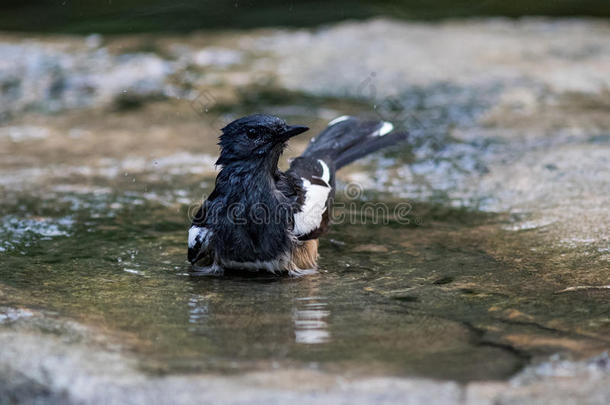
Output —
<point x="109" y="117"/>
<point x="184" y="16"/>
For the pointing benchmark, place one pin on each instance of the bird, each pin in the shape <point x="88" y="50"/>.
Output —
<point x="261" y="219"/>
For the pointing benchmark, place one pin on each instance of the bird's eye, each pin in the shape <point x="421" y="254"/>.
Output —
<point x="251" y="133"/>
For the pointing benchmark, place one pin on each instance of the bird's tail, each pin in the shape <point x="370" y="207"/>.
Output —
<point x="348" y="138"/>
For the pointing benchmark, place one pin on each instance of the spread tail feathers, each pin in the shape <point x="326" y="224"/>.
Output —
<point x="348" y="138"/>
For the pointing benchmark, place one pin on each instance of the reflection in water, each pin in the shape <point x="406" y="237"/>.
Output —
<point x="309" y="315"/>
<point x="198" y="311"/>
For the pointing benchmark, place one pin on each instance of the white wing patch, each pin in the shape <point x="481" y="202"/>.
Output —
<point x="310" y="216"/>
<point x="338" y="120"/>
<point x="197" y="234"/>
<point x="325" y="172"/>
<point x="386" y="128"/>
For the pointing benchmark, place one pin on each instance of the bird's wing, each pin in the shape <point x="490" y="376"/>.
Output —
<point x="314" y="184"/>
<point x="199" y="236"/>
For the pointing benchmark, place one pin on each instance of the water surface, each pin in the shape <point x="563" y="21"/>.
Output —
<point x="430" y="298"/>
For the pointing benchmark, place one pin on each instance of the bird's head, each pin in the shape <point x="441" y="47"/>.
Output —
<point x="255" y="137"/>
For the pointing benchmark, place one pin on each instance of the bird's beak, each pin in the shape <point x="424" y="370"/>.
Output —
<point x="293" y="130"/>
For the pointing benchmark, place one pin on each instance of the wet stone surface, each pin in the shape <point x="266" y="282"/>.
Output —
<point x="500" y="262"/>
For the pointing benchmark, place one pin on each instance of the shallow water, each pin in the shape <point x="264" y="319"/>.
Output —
<point x="429" y="298"/>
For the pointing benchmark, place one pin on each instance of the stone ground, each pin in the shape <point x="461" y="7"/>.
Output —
<point x="77" y="366"/>
<point x="505" y="116"/>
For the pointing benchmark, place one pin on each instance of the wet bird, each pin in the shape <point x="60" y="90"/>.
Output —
<point x="260" y="218"/>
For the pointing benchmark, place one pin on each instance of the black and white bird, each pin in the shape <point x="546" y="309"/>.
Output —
<point x="260" y="218"/>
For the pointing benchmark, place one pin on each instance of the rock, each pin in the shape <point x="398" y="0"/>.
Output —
<point x="83" y="370"/>
<point x="382" y="58"/>
<point x="219" y="57"/>
<point x="46" y="77"/>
